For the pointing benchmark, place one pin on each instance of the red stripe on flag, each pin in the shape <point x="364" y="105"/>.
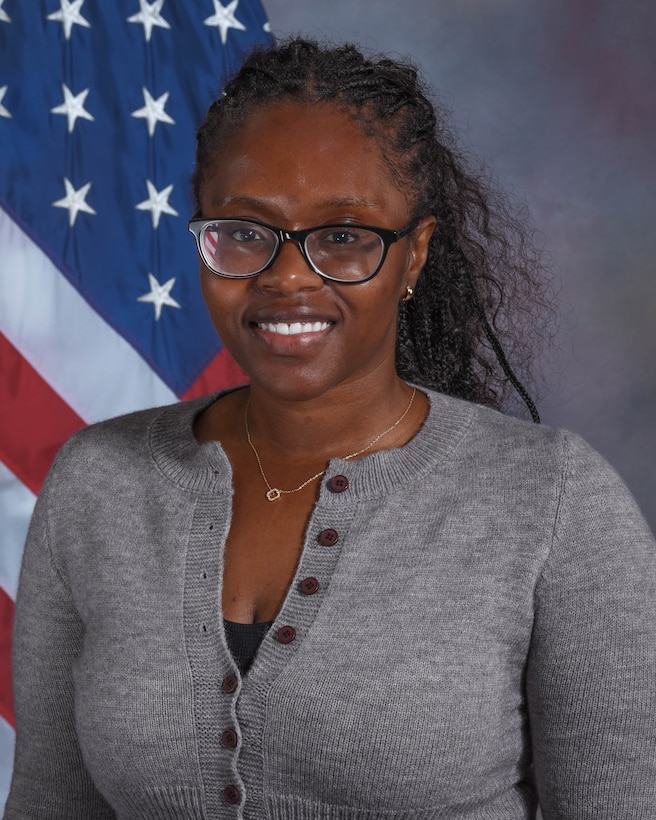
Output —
<point x="34" y="419"/>
<point x="6" y="620"/>
<point x="223" y="371"/>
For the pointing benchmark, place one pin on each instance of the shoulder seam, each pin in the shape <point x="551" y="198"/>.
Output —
<point x="560" y="496"/>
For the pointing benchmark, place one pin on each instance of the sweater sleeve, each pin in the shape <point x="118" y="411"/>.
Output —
<point x="49" y="778"/>
<point x="591" y="675"/>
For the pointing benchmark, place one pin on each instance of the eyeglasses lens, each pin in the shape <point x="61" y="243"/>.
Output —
<point x="240" y="248"/>
<point x="237" y="248"/>
<point x="346" y="253"/>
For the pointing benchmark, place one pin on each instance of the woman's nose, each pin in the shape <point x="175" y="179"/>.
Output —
<point x="290" y="271"/>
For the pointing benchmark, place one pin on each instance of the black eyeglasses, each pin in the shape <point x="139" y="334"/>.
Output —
<point x="240" y="248"/>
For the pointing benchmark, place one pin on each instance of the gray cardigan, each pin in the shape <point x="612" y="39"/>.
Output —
<point x="484" y="627"/>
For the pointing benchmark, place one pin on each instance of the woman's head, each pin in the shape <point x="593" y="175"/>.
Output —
<point x="319" y="312"/>
<point x="477" y="255"/>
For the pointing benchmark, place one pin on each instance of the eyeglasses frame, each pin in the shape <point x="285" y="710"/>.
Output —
<point x="389" y="237"/>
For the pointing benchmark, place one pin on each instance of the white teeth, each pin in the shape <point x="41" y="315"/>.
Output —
<point x="293" y="329"/>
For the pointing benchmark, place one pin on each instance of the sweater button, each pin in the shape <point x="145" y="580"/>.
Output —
<point x="309" y="586"/>
<point x="338" y="484"/>
<point x="229" y="738"/>
<point x="231" y="795"/>
<point x="286" y="634"/>
<point x="229" y="683"/>
<point x="328" y="537"/>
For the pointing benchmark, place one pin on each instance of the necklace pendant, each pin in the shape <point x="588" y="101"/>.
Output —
<point x="273" y="493"/>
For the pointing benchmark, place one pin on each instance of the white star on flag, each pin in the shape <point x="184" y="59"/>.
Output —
<point x="68" y="15"/>
<point x="4" y="17"/>
<point x="149" y="16"/>
<point x="73" y="107"/>
<point x="159" y="295"/>
<point x="224" y="18"/>
<point x="74" y="201"/>
<point x="153" y="111"/>
<point x="3" y="110"/>
<point x="157" y="203"/>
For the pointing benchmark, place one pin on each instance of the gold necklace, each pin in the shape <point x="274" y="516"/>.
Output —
<point x="273" y="493"/>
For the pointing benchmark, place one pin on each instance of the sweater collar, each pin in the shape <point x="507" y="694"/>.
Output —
<point x="204" y="468"/>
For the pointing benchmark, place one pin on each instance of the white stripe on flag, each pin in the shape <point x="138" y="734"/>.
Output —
<point x="16" y="505"/>
<point x="6" y="761"/>
<point x="71" y="346"/>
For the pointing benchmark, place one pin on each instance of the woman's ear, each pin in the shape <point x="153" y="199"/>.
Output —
<point x="418" y="250"/>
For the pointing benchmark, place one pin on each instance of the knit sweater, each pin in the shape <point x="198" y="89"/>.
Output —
<point x="477" y="626"/>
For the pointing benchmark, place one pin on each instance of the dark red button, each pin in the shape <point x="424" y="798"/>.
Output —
<point x="286" y="634"/>
<point x="231" y="795"/>
<point x="338" y="483"/>
<point x="309" y="586"/>
<point x="328" y="537"/>
<point x="229" y="684"/>
<point x="229" y="738"/>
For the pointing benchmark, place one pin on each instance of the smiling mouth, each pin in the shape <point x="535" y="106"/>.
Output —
<point x="293" y="328"/>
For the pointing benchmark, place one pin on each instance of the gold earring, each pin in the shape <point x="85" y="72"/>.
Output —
<point x="409" y="293"/>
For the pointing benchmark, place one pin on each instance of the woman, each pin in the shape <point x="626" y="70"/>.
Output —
<point x="336" y="593"/>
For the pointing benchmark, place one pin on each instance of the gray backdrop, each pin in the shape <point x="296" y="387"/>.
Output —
<point x="557" y="97"/>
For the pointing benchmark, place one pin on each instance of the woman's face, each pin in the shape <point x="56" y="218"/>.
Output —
<point x="300" y="166"/>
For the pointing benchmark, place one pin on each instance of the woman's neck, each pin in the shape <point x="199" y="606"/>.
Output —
<point x="318" y="428"/>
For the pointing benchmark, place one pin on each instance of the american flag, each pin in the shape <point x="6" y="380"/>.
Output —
<point x="100" y="311"/>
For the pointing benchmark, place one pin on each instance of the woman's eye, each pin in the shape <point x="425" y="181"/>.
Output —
<point x="341" y="237"/>
<point x="245" y="235"/>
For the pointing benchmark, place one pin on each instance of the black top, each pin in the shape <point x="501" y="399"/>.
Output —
<point x="244" y="640"/>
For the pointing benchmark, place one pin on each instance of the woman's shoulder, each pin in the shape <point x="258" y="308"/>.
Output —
<point x="129" y="442"/>
<point x="482" y="426"/>
<point x="525" y="468"/>
<point x="132" y="429"/>
<point x="498" y="441"/>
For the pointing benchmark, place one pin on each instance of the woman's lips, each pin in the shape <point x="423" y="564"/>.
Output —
<point x="293" y="328"/>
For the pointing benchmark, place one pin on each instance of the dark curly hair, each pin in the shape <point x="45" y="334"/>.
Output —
<point x="483" y="284"/>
